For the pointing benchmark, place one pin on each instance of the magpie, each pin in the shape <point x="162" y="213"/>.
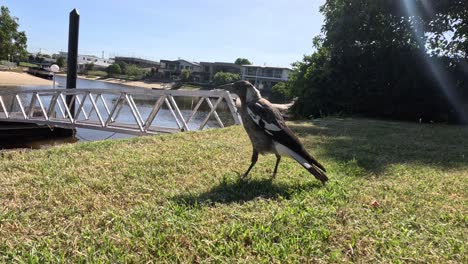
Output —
<point x="268" y="131"/>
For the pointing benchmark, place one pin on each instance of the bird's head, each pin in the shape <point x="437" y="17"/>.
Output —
<point x="244" y="89"/>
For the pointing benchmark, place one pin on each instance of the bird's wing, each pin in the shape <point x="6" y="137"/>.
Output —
<point x="271" y="121"/>
<point x="266" y="116"/>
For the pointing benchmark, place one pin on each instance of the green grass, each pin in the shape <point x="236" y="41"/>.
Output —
<point x="191" y="87"/>
<point x="27" y="64"/>
<point x="94" y="74"/>
<point x="127" y="77"/>
<point x="397" y="194"/>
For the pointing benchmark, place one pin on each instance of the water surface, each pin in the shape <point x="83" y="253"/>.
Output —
<point x="164" y="117"/>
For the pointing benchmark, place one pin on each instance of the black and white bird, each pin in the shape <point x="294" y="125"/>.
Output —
<point x="268" y="131"/>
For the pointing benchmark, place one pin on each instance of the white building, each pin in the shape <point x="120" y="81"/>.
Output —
<point x="87" y="59"/>
<point x="188" y="65"/>
<point x="264" y="77"/>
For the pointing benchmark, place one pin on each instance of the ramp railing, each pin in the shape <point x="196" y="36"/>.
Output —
<point x="146" y="111"/>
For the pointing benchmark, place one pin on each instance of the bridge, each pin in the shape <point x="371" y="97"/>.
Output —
<point x="129" y="110"/>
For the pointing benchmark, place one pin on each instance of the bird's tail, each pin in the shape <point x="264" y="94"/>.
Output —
<point x="318" y="173"/>
<point x="317" y="170"/>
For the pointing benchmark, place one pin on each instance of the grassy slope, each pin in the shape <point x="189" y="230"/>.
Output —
<point x="177" y="198"/>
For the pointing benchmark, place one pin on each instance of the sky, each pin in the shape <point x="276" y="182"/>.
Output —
<point x="267" y="32"/>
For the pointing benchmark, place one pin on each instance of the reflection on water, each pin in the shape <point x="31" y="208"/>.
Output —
<point x="164" y="117"/>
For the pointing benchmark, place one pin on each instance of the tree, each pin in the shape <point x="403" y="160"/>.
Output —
<point x="89" y="67"/>
<point x="281" y="91"/>
<point x="448" y="18"/>
<point x="132" y="70"/>
<point x="123" y="67"/>
<point x="12" y="41"/>
<point x="60" y="62"/>
<point x="242" y="61"/>
<point x="221" y="78"/>
<point x="185" y="75"/>
<point x="372" y="58"/>
<point x="113" y="69"/>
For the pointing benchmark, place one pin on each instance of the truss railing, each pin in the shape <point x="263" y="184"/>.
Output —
<point x="102" y="108"/>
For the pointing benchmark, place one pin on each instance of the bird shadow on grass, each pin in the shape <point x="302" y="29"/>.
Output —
<point x="241" y="191"/>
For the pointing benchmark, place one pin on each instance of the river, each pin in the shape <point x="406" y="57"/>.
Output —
<point x="164" y="118"/>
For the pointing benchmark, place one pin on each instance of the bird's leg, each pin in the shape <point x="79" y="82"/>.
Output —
<point x="278" y="159"/>
<point x="254" y="160"/>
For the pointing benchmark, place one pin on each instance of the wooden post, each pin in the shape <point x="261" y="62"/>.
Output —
<point x="72" y="64"/>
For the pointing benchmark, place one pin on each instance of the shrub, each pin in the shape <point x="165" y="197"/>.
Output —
<point x="221" y="78"/>
<point x="113" y="69"/>
<point x="281" y="91"/>
<point x="185" y="75"/>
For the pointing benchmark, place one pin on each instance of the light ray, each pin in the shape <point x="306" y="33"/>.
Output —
<point x="442" y="77"/>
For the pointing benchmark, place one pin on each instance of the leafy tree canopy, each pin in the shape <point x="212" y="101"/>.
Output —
<point x="242" y="61"/>
<point x="281" y="92"/>
<point x="88" y="67"/>
<point x="373" y="57"/>
<point x="221" y="78"/>
<point x="60" y="62"/>
<point x="447" y="22"/>
<point x="185" y="74"/>
<point x="113" y="69"/>
<point x="12" y="41"/>
<point x="132" y="70"/>
<point x="123" y="67"/>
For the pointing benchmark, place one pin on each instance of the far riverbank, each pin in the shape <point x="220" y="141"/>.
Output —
<point x="141" y="84"/>
<point x="8" y="78"/>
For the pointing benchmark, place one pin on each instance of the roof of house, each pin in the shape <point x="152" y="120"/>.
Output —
<point x="136" y="59"/>
<point x="179" y="61"/>
<point x="165" y="61"/>
<point x="189" y="62"/>
<point x="220" y="63"/>
<point x="263" y="66"/>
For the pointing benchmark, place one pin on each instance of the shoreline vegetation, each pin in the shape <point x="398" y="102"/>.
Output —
<point x="397" y="193"/>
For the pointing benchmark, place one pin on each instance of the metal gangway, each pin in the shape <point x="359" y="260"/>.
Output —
<point x="102" y="109"/>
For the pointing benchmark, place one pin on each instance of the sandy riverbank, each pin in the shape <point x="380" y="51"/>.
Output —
<point x="18" y="79"/>
<point x="150" y="85"/>
<point x="141" y="84"/>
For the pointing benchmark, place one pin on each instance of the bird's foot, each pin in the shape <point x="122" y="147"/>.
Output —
<point x="273" y="176"/>
<point x="244" y="177"/>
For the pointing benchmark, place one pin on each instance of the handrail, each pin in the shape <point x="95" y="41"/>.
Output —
<point x="54" y="111"/>
<point x="133" y="91"/>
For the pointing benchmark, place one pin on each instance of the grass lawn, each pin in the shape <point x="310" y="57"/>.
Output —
<point x="27" y="64"/>
<point x="397" y="194"/>
<point x="94" y="74"/>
